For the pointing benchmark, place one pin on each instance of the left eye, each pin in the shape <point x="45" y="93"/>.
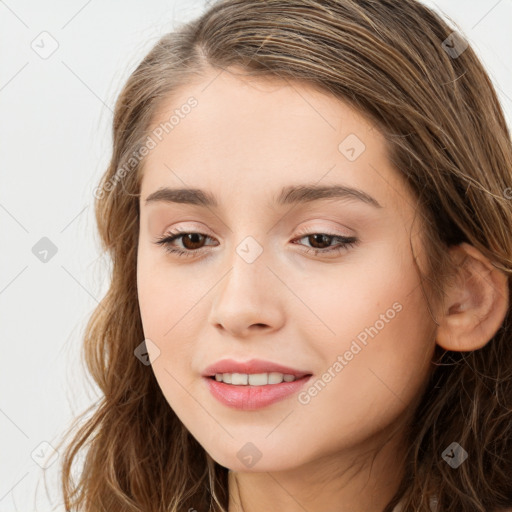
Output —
<point x="344" y="242"/>
<point x="191" y="241"/>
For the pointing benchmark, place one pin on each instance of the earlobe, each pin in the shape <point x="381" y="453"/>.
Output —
<point x="476" y="302"/>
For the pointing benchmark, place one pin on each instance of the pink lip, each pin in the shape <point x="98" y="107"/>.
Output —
<point x="252" y="397"/>
<point x="252" y="366"/>
<point x="249" y="397"/>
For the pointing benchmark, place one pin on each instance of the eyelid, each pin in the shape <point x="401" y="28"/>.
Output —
<point x="309" y="228"/>
<point x="187" y="228"/>
<point x="323" y="229"/>
<point x="306" y="230"/>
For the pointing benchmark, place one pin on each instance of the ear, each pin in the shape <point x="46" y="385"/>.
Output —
<point x="476" y="302"/>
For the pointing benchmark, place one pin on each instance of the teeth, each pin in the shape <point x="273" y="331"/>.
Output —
<point x="275" y="378"/>
<point x="239" y="379"/>
<point x="258" y="379"/>
<point x="253" y="379"/>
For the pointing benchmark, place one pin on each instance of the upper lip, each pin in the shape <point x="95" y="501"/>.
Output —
<point x="252" y="366"/>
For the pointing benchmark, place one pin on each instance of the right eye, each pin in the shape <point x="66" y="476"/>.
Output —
<point x="189" y="239"/>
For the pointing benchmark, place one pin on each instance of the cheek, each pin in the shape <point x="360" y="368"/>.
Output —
<point x="160" y="309"/>
<point x="173" y="312"/>
<point x="164" y="293"/>
<point x="369" y="287"/>
<point x="379" y="358"/>
<point x="376" y="301"/>
<point x="169" y="313"/>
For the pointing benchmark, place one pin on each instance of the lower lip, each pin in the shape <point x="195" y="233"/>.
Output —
<point x="248" y="397"/>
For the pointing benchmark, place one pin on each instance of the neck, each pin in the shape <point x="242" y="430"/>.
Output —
<point x="364" y="478"/>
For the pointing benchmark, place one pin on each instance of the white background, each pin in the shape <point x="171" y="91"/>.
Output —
<point x="54" y="145"/>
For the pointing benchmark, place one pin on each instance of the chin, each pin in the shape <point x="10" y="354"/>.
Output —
<point x="248" y="457"/>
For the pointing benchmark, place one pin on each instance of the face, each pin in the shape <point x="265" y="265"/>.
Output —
<point x="320" y="281"/>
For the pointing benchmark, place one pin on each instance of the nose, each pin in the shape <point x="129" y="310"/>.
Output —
<point x="247" y="300"/>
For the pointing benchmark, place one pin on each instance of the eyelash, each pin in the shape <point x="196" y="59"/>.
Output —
<point x="167" y="239"/>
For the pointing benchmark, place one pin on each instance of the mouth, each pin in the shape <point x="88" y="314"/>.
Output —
<point x="248" y="390"/>
<point x="252" y="384"/>
<point x="256" y="379"/>
<point x="255" y="372"/>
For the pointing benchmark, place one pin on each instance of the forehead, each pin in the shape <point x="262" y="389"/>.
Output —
<point x="257" y="136"/>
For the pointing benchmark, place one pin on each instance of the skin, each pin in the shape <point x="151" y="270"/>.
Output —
<point x="245" y="140"/>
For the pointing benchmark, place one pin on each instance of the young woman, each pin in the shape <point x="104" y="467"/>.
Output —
<point x="308" y="210"/>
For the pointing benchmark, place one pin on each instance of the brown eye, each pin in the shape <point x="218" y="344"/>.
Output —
<point x="189" y="243"/>
<point x="321" y="243"/>
<point x="316" y="240"/>
<point x="192" y="241"/>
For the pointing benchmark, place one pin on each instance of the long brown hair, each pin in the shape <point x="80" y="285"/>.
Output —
<point x="445" y="132"/>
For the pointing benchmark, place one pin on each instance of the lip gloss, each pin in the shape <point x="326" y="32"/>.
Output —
<point x="247" y="397"/>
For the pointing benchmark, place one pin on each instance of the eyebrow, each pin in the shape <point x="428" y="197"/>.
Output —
<point x="293" y="194"/>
